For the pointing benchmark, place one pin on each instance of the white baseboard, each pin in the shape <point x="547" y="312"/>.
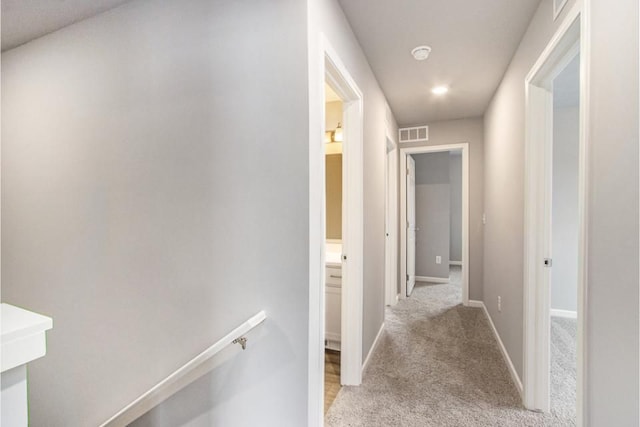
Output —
<point x="432" y="279"/>
<point x="455" y="263"/>
<point x="503" y="350"/>
<point x="373" y="348"/>
<point x="567" y="314"/>
<point x="332" y="341"/>
<point x="331" y="336"/>
<point x="394" y="301"/>
<point x="475" y="304"/>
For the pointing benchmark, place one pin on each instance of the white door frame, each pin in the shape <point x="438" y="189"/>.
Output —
<point x="338" y="77"/>
<point x="391" y="221"/>
<point x="571" y="37"/>
<point x="404" y="152"/>
<point x="326" y="66"/>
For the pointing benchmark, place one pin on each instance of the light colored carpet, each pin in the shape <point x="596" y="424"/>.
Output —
<point x="563" y="367"/>
<point x="437" y="365"/>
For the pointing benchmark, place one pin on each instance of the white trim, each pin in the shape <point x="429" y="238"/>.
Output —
<point x="326" y="66"/>
<point x="512" y="370"/>
<point x="567" y="314"/>
<point x="339" y="78"/>
<point x="332" y="336"/>
<point x="391" y="219"/>
<point x="373" y="348"/>
<point x="404" y="152"/>
<point x="432" y="279"/>
<point x="571" y="36"/>
<point x="585" y="101"/>
<point x="557" y="8"/>
<point x="475" y="303"/>
<point x="455" y="263"/>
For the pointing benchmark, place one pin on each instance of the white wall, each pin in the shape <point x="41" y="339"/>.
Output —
<point x="455" y="206"/>
<point x="432" y="214"/>
<point x="470" y="131"/>
<point x="612" y="259"/>
<point x="564" y="274"/>
<point x="146" y="207"/>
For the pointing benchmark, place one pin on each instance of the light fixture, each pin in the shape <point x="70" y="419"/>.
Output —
<point x="439" y="90"/>
<point x="337" y="134"/>
<point x="421" y="53"/>
<point x="334" y="135"/>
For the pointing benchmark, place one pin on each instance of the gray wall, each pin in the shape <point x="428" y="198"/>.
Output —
<point x="333" y="180"/>
<point x="472" y="132"/>
<point x="129" y="217"/>
<point x="504" y="185"/>
<point x="455" y="206"/>
<point x="327" y="17"/>
<point x="564" y="274"/>
<point x="612" y="259"/>
<point x="432" y="214"/>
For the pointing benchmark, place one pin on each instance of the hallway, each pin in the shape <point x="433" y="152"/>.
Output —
<point x="437" y="364"/>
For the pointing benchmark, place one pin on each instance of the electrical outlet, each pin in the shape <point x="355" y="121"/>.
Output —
<point x="438" y="259"/>
<point x="484" y="218"/>
<point x="500" y="304"/>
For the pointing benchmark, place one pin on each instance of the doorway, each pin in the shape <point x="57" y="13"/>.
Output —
<point x="330" y="70"/>
<point x="563" y="280"/>
<point x="555" y="160"/>
<point x="410" y="236"/>
<point x="334" y="140"/>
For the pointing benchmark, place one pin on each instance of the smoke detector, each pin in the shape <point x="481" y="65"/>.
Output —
<point x="421" y="53"/>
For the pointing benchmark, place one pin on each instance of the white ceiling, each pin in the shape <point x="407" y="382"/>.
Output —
<point x="473" y="42"/>
<point x="25" y="20"/>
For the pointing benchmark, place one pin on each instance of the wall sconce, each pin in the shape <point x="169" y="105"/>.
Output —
<point x="334" y="136"/>
<point x="337" y="134"/>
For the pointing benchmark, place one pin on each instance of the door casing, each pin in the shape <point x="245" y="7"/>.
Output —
<point x="571" y="37"/>
<point x="404" y="152"/>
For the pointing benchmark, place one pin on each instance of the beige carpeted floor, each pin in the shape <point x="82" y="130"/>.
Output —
<point x="437" y="365"/>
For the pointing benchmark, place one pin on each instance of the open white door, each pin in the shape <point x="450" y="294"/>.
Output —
<point x="411" y="224"/>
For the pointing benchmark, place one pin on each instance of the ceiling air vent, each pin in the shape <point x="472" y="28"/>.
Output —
<point x="414" y="134"/>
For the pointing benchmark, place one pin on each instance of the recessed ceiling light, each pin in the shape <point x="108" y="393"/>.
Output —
<point x="439" y="90"/>
<point x="421" y="53"/>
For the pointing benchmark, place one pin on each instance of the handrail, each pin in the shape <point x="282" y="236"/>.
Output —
<point x="183" y="376"/>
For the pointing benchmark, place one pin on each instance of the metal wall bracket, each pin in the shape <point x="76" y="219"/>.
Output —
<point x="242" y="341"/>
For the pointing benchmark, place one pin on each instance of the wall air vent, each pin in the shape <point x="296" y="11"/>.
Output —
<point x="414" y="134"/>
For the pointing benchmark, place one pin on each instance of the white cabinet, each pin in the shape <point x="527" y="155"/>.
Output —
<point x="23" y="340"/>
<point x="333" y="305"/>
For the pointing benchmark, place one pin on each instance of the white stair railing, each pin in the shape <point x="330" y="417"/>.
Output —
<point x="182" y="377"/>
